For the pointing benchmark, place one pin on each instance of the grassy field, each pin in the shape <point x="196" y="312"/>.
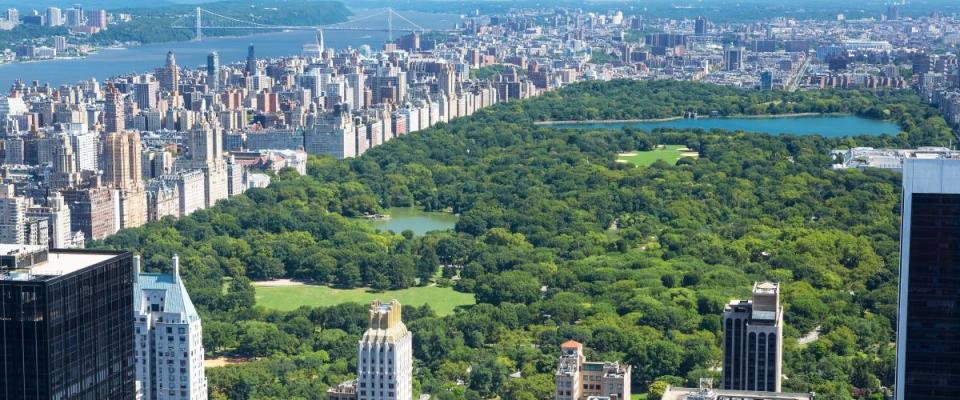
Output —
<point x="442" y="300"/>
<point x="669" y="153"/>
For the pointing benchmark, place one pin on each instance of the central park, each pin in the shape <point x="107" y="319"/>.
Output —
<point x="536" y="262"/>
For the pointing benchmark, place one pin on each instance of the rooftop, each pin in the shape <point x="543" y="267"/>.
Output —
<point x="680" y="393"/>
<point x="57" y="262"/>
<point x="177" y="299"/>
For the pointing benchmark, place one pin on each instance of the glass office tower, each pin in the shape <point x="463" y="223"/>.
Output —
<point x="928" y="329"/>
<point x="66" y="324"/>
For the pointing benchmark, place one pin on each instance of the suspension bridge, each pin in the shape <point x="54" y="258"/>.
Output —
<point x="206" y="19"/>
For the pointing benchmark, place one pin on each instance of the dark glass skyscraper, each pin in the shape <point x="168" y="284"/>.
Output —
<point x="251" y="61"/>
<point x="928" y="329"/>
<point x="753" y="341"/>
<point x="700" y="26"/>
<point x="66" y="324"/>
<point x="213" y="68"/>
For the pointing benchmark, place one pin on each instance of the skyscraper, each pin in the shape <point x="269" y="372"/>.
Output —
<point x="733" y="58"/>
<point x="893" y="12"/>
<point x="447" y="81"/>
<point x="206" y="154"/>
<point x="113" y="119"/>
<point x="65" y="172"/>
<point x="928" y="363"/>
<point x="165" y="318"/>
<point x="385" y="359"/>
<point x="54" y="16"/>
<point x="66" y="331"/>
<point x="700" y="28"/>
<point x="753" y="341"/>
<point x="766" y="80"/>
<point x="121" y="159"/>
<point x="251" y="61"/>
<point x="146" y="93"/>
<point x="169" y="74"/>
<point x="123" y="170"/>
<point x="213" y="69"/>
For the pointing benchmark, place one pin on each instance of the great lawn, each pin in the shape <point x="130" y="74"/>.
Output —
<point x="286" y="298"/>
<point x="669" y="153"/>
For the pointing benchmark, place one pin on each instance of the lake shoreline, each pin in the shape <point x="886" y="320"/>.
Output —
<point x="668" y="119"/>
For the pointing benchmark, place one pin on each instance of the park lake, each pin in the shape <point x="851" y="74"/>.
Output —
<point x="416" y="220"/>
<point x="825" y="125"/>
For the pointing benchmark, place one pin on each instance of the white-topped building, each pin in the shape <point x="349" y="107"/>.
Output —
<point x="169" y="338"/>
<point x="385" y="362"/>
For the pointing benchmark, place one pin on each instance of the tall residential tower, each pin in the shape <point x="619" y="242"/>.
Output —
<point x="385" y="362"/>
<point x="169" y="338"/>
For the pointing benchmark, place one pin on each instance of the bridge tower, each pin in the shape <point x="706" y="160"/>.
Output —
<point x="389" y="25"/>
<point x="198" y="26"/>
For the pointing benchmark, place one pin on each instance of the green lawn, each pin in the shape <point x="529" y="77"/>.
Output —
<point x="638" y="396"/>
<point x="442" y="300"/>
<point x="669" y="153"/>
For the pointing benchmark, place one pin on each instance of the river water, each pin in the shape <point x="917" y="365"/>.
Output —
<point x="108" y="63"/>
<point x="826" y="125"/>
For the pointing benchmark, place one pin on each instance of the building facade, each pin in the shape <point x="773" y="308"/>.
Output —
<point x="385" y="356"/>
<point x="579" y="379"/>
<point x="928" y="347"/>
<point x="753" y="341"/>
<point x="169" y="338"/>
<point x="65" y="323"/>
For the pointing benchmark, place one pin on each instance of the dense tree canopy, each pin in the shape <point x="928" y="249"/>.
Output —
<point x="537" y="244"/>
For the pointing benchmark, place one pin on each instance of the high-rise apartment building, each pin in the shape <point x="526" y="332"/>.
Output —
<point x="113" y="110"/>
<point x="13" y="218"/>
<point x="335" y="136"/>
<point x="146" y="93"/>
<point x="54" y="16"/>
<point x="75" y="17"/>
<point x="753" y="341"/>
<point x="206" y="154"/>
<point x="97" y="19"/>
<point x="169" y="338"/>
<point x="122" y="169"/>
<point x="65" y="325"/>
<point x="65" y="172"/>
<point x="928" y="346"/>
<point x="169" y="74"/>
<point x="385" y="356"/>
<point x="92" y="211"/>
<point x="579" y="379"/>
<point x="57" y="215"/>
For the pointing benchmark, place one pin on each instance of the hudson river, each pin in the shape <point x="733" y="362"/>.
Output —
<point x="108" y="63"/>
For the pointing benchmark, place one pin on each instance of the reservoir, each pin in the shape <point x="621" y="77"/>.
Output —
<point x="108" y="63"/>
<point x="416" y="220"/>
<point x="824" y="125"/>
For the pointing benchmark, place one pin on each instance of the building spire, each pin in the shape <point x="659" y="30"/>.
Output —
<point x="176" y="267"/>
